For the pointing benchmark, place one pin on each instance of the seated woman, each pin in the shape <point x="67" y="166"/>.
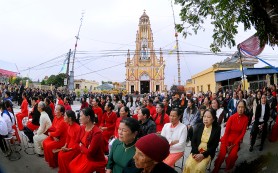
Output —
<point x="124" y="113"/>
<point x="235" y="130"/>
<point x="175" y="133"/>
<point x="91" y="157"/>
<point x="123" y="148"/>
<point x="147" y="125"/>
<point x="8" y="116"/>
<point x="160" y="118"/>
<point x="220" y="114"/>
<point x="66" y="103"/>
<point x="204" y="142"/>
<point x="71" y="149"/>
<point x="45" y="124"/>
<point x="97" y="110"/>
<point x="24" y="111"/>
<point x="108" y="124"/>
<point x="50" y="105"/>
<point x="146" y="157"/>
<point x="190" y="116"/>
<point x="33" y="124"/>
<point x="3" y="134"/>
<point x="56" y="138"/>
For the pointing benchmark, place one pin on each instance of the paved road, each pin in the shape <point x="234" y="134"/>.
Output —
<point x="35" y="164"/>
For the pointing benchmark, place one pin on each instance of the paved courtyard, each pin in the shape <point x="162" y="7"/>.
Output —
<point x="35" y="164"/>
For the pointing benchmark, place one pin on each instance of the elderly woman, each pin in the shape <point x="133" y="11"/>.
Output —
<point x="56" y="138"/>
<point x="235" y="130"/>
<point x="123" y="148"/>
<point x="45" y="124"/>
<point x="175" y="133"/>
<point x="91" y="157"/>
<point x="149" y="156"/>
<point x="204" y="143"/>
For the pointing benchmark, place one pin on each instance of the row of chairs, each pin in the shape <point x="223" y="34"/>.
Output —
<point x="15" y="142"/>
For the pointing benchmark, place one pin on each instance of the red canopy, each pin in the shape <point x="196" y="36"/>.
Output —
<point x="7" y="73"/>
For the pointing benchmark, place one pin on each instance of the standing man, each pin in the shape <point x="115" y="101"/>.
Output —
<point x="20" y="91"/>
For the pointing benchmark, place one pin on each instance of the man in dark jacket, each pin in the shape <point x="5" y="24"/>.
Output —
<point x="147" y="125"/>
<point x="261" y="118"/>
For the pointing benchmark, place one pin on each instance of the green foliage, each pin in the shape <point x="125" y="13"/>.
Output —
<point x="78" y="93"/>
<point x="226" y="15"/>
<point x="85" y="90"/>
<point x="23" y="79"/>
<point x="43" y="82"/>
<point x="57" y="80"/>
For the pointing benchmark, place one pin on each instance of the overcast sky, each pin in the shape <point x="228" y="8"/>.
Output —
<point x="36" y="31"/>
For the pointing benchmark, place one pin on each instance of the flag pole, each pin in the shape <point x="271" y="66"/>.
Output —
<point x="243" y="75"/>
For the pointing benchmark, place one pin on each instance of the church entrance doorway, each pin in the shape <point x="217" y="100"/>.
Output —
<point x="144" y="87"/>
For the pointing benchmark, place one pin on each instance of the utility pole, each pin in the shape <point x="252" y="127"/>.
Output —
<point x="71" y="85"/>
<point x="178" y="59"/>
<point x="177" y="47"/>
<point x="67" y="73"/>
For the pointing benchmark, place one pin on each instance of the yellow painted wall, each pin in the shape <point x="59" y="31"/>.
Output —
<point x="203" y="79"/>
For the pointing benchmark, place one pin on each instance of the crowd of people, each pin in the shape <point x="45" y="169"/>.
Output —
<point x="117" y="133"/>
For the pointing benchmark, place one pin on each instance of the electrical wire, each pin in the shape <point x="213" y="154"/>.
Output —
<point x="100" y="70"/>
<point x="29" y="68"/>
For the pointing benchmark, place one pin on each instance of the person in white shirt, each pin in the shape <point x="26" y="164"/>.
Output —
<point x="175" y="132"/>
<point x="45" y="124"/>
<point x="7" y="116"/>
<point x="261" y="118"/>
<point x="3" y="134"/>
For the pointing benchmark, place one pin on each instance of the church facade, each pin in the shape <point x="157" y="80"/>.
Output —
<point x="145" y="71"/>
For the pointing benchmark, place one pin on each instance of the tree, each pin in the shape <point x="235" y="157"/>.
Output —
<point x="226" y="15"/>
<point x="60" y="79"/>
<point x="23" y="79"/>
<point x="57" y="80"/>
<point x="43" y="82"/>
<point x="51" y="80"/>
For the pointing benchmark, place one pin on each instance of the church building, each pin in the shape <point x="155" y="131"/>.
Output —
<point x="145" y="71"/>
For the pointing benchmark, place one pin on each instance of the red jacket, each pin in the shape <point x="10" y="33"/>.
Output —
<point x="98" y="111"/>
<point x="152" y="110"/>
<point x="59" y="127"/>
<point x="24" y="107"/>
<point x="109" y="121"/>
<point x="52" y="107"/>
<point x="93" y="146"/>
<point x="67" y="107"/>
<point x="60" y="102"/>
